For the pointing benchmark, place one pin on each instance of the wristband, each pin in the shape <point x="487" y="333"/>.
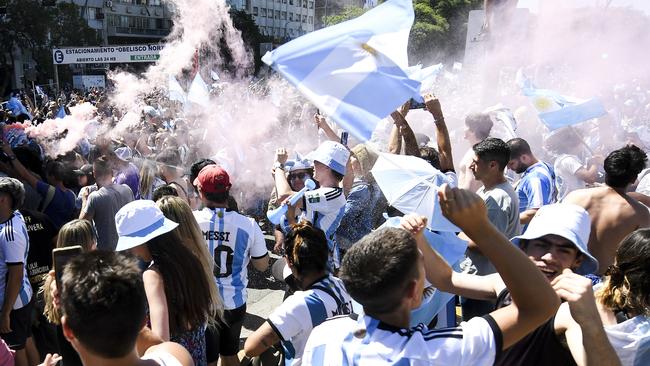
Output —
<point x="278" y="165"/>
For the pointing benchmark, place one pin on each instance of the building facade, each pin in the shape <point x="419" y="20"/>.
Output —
<point x="127" y="21"/>
<point x="281" y="19"/>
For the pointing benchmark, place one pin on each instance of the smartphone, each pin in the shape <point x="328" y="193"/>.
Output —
<point x="417" y="105"/>
<point x="61" y="257"/>
<point x="344" y="138"/>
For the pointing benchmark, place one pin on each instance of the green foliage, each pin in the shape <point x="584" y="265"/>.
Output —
<point x="438" y="32"/>
<point x="349" y="12"/>
<point x="31" y="26"/>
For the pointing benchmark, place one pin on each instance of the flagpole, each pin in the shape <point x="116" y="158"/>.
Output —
<point x="582" y="140"/>
<point x="34" y="92"/>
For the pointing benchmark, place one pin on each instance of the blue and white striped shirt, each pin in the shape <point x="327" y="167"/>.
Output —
<point x="294" y="320"/>
<point x="324" y="208"/>
<point x="370" y="342"/>
<point x="232" y="240"/>
<point x="14" y="247"/>
<point x="536" y="187"/>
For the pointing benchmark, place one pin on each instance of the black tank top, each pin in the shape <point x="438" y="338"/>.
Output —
<point x="540" y="347"/>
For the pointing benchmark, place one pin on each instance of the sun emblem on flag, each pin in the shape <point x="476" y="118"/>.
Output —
<point x="369" y="49"/>
<point x="543" y="104"/>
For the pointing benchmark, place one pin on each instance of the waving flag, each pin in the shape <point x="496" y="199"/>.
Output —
<point x="16" y="107"/>
<point x="199" y="92"/>
<point x="557" y="111"/>
<point x="61" y="113"/>
<point x="353" y="71"/>
<point x="175" y="90"/>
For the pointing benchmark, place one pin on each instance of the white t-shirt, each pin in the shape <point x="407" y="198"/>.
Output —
<point x="566" y="180"/>
<point x="232" y="240"/>
<point x="14" y="247"/>
<point x="162" y="358"/>
<point x="370" y="342"/>
<point x="295" y="318"/>
<point x="644" y="182"/>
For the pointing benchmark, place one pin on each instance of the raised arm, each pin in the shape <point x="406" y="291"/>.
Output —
<point x="534" y="301"/>
<point x="321" y="122"/>
<point x="442" y="134"/>
<point x="580" y="321"/>
<point x="282" y="187"/>
<point x="441" y="275"/>
<point x="410" y="142"/>
<point x="19" y="168"/>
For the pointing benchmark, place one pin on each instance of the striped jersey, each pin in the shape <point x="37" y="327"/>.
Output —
<point x="14" y="244"/>
<point x="536" y="187"/>
<point x="232" y="240"/>
<point x="370" y="342"/>
<point x="324" y="208"/>
<point x="295" y="318"/>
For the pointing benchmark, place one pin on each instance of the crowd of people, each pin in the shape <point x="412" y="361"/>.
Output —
<point x="555" y="272"/>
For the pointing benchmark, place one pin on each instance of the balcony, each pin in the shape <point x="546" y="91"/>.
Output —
<point x="136" y="32"/>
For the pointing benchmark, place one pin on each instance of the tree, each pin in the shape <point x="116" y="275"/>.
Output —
<point x="29" y="25"/>
<point x="438" y="32"/>
<point x="349" y="12"/>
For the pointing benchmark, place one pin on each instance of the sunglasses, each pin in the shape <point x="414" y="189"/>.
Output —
<point x="302" y="176"/>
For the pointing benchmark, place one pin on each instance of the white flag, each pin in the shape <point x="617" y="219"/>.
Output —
<point x="199" y="92"/>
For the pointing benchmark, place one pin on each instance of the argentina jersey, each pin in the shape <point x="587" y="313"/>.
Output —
<point x="14" y="243"/>
<point x="232" y="239"/>
<point x="324" y="208"/>
<point x="536" y="187"/>
<point x="295" y="318"/>
<point x="366" y="341"/>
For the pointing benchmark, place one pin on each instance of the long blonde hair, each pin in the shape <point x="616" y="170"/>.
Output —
<point x="147" y="175"/>
<point x="178" y="210"/>
<point x="76" y="232"/>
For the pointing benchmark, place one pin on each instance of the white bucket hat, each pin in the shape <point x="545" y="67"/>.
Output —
<point x="332" y="154"/>
<point x="138" y="222"/>
<point x="569" y="221"/>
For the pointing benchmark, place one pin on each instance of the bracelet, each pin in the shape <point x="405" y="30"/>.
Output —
<point x="278" y="165"/>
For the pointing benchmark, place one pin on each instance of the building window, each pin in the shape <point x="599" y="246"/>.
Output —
<point x="277" y="14"/>
<point x="311" y="19"/>
<point x="304" y="4"/>
<point x="311" y="5"/>
<point x="263" y="12"/>
<point x="290" y="16"/>
<point x="290" y="2"/>
<point x="304" y="18"/>
<point x="255" y="10"/>
<point x="284" y="15"/>
<point x="154" y="2"/>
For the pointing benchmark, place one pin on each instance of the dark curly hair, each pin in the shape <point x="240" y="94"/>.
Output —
<point x="622" y="166"/>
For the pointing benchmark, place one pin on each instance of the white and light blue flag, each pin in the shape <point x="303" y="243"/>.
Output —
<point x="427" y="76"/>
<point x="557" y="111"/>
<point x="353" y="72"/>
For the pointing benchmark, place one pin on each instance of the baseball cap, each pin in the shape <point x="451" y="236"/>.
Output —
<point x="299" y="163"/>
<point x="332" y="154"/>
<point x="139" y="221"/>
<point x="569" y="221"/>
<point x="213" y="179"/>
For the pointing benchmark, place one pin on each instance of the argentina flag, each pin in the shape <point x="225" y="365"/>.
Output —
<point x="557" y="111"/>
<point x="353" y="71"/>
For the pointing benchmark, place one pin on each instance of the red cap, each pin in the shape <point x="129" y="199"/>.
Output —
<point x="213" y="179"/>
